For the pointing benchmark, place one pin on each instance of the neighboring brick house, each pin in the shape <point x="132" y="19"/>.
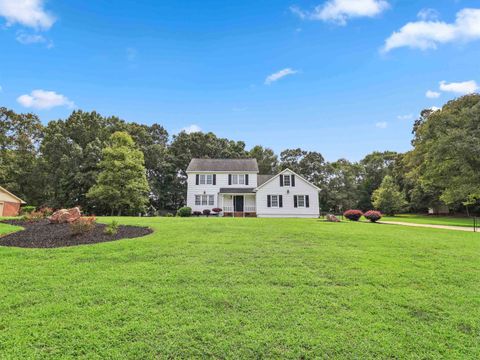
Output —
<point x="9" y="203"/>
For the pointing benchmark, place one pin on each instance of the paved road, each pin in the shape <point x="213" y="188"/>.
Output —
<point x="446" y="227"/>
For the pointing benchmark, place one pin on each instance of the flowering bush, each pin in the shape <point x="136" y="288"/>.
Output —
<point x="353" y="215"/>
<point x="83" y="225"/>
<point x="373" y="215"/>
<point x="197" y="213"/>
<point x="206" y="212"/>
<point x="217" y="210"/>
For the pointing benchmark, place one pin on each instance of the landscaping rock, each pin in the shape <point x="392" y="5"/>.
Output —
<point x="332" y="218"/>
<point x="64" y="216"/>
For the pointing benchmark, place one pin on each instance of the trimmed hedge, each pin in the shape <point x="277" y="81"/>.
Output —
<point x="353" y="215"/>
<point x="373" y="215"/>
<point x="184" y="211"/>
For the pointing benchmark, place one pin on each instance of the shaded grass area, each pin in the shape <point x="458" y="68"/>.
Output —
<point x="246" y="288"/>
<point x="432" y="220"/>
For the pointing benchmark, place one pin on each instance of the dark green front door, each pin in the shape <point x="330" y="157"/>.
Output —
<point x="238" y="203"/>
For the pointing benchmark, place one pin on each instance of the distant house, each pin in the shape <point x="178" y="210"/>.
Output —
<point x="235" y="186"/>
<point x="9" y="203"/>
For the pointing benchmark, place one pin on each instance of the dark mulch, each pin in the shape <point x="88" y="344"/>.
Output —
<point x="42" y="234"/>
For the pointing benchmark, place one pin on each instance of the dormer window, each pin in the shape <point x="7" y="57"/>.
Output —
<point x="286" y="180"/>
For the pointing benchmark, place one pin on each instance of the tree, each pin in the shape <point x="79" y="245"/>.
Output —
<point x="122" y="185"/>
<point x="266" y="159"/>
<point x="388" y="198"/>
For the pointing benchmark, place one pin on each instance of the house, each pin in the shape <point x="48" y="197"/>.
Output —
<point x="236" y="187"/>
<point x="9" y="203"/>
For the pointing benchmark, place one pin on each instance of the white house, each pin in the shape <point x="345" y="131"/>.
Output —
<point x="235" y="186"/>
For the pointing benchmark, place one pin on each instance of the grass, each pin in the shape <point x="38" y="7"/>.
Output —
<point x="246" y="288"/>
<point x="431" y="220"/>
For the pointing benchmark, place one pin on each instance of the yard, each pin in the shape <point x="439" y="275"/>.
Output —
<point x="431" y="219"/>
<point x="246" y="288"/>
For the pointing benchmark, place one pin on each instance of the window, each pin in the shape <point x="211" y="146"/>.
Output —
<point x="301" y="200"/>
<point x="206" y="179"/>
<point x="205" y="200"/>
<point x="238" y="179"/>
<point x="286" y="180"/>
<point x="274" y="200"/>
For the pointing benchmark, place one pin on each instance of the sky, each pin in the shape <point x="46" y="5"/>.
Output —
<point x="341" y="77"/>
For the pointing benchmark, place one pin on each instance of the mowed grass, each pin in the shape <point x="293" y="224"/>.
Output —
<point x="246" y="288"/>
<point x="432" y="220"/>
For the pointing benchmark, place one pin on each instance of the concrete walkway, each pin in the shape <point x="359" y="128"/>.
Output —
<point x="445" y="227"/>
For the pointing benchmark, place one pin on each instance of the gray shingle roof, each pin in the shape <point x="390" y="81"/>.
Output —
<point x="249" y="165"/>
<point x="236" y="190"/>
<point x="262" y="179"/>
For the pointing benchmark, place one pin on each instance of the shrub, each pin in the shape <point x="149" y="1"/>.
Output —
<point x="184" y="211"/>
<point x="83" y="225"/>
<point x="197" y="213"/>
<point x="217" y="210"/>
<point x="353" y="215"/>
<point x="34" y="216"/>
<point x="168" y="215"/>
<point x="27" y="210"/>
<point x="373" y="215"/>
<point x="46" y="211"/>
<point x="112" y="228"/>
<point x="206" y="212"/>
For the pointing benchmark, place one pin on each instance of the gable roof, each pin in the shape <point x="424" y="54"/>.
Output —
<point x="249" y="165"/>
<point x="261" y="179"/>
<point x="280" y="173"/>
<point x="12" y="195"/>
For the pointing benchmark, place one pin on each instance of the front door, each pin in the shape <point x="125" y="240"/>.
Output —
<point x="238" y="203"/>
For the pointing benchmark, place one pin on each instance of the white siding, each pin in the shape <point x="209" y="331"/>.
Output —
<point x="301" y="187"/>
<point x="222" y="182"/>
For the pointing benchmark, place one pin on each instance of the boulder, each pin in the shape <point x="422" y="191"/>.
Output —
<point x="332" y="218"/>
<point x="65" y="216"/>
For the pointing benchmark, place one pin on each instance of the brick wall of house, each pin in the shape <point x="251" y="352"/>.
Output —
<point x="10" y="209"/>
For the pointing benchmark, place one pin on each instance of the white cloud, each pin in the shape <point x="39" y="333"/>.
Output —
<point x="27" y="39"/>
<point x="432" y="94"/>
<point x="28" y="13"/>
<point x="462" y="88"/>
<point x="405" y="117"/>
<point x="381" y="125"/>
<point x="434" y="108"/>
<point x="429" y="34"/>
<point x="192" y="129"/>
<point x="1" y="89"/>
<point x="428" y="14"/>
<point x="44" y="100"/>
<point x="279" y="75"/>
<point x="340" y="11"/>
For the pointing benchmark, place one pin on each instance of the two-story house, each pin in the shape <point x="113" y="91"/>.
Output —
<point x="235" y="186"/>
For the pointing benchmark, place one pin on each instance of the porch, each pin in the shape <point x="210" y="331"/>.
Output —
<point x="238" y="202"/>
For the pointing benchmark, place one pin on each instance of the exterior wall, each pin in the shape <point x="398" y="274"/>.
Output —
<point x="10" y="208"/>
<point x="222" y="182"/>
<point x="301" y="187"/>
<point x="7" y="197"/>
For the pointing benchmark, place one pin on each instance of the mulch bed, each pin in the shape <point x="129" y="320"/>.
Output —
<point x="42" y="234"/>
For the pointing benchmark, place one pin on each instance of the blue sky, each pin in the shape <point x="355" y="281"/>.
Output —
<point x="342" y="77"/>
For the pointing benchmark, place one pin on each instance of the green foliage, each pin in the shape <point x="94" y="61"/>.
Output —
<point x="266" y="159"/>
<point x="112" y="228"/>
<point x="122" y="185"/>
<point x="27" y="210"/>
<point x="283" y="289"/>
<point x="184" y="211"/>
<point x="83" y="225"/>
<point x="388" y="198"/>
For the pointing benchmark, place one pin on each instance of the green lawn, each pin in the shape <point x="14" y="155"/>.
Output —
<point x="246" y="288"/>
<point x="432" y="220"/>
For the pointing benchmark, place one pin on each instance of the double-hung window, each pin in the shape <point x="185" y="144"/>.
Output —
<point x="206" y="179"/>
<point x="301" y="200"/>
<point x="238" y="179"/>
<point x="204" y="200"/>
<point x="286" y="180"/>
<point x="274" y="200"/>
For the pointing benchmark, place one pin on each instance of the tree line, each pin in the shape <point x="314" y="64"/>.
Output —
<point x="60" y="164"/>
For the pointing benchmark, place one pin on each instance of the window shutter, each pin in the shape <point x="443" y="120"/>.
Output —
<point x="307" y="200"/>
<point x="229" y="179"/>
<point x="281" y="180"/>
<point x="197" y="179"/>
<point x="280" y="200"/>
<point x="292" y="179"/>
<point x="246" y="179"/>
<point x="295" y="201"/>
<point x="269" y="201"/>
<point x="214" y="179"/>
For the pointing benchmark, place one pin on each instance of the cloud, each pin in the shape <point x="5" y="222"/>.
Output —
<point x="44" y="100"/>
<point x="428" y="14"/>
<point x="432" y="94"/>
<point x="279" y="75"/>
<point x="405" y="117"/>
<point x="28" y="13"/>
<point x="429" y="34"/>
<point x="27" y="39"/>
<point x="1" y="89"/>
<point x="340" y="11"/>
<point x="381" y="125"/>
<point x="192" y="129"/>
<point x="462" y="88"/>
